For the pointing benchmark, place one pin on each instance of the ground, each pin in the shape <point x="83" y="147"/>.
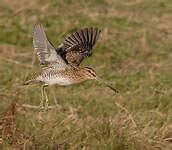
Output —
<point x="133" y="53"/>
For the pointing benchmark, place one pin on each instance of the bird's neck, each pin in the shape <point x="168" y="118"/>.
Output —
<point x="77" y="75"/>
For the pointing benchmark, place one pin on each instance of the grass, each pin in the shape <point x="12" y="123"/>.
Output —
<point x="133" y="53"/>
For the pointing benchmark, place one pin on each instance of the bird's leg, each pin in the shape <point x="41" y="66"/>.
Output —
<point x="46" y="98"/>
<point x="41" y="105"/>
<point x="57" y="105"/>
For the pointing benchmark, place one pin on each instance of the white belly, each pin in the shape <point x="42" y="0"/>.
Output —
<point x="59" y="81"/>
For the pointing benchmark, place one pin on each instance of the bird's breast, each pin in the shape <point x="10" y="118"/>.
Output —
<point x="58" y="80"/>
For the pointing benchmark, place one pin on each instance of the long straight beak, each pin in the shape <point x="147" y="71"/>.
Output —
<point x="107" y="85"/>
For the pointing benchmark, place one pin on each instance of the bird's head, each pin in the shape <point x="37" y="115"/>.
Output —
<point x="91" y="74"/>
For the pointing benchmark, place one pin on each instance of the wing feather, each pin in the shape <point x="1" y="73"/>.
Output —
<point x="44" y="49"/>
<point x="79" y="44"/>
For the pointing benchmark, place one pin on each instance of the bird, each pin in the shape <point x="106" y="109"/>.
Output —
<point x="61" y="65"/>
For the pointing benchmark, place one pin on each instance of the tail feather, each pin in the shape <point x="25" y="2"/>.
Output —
<point x="28" y="82"/>
<point x="31" y="79"/>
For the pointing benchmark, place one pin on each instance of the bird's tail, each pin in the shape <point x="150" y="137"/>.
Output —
<point x="28" y="82"/>
<point x="31" y="80"/>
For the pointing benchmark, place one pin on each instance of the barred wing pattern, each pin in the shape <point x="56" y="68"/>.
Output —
<point x="78" y="45"/>
<point x="44" y="49"/>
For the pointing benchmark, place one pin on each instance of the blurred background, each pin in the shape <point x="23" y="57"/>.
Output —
<point x="133" y="53"/>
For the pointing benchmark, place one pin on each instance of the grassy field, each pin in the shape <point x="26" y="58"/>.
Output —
<point x="133" y="53"/>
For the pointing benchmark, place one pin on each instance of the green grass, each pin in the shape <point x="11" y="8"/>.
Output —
<point x="133" y="53"/>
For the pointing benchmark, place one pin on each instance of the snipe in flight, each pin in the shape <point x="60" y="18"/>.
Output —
<point x="62" y="64"/>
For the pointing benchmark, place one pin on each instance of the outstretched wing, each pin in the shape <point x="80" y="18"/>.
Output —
<point x="44" y="49"/>
<point x="78" y="45"/>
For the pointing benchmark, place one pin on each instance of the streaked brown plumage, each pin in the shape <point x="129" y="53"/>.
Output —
<point x="61" y="65"/>
<point x="78" y="45"/>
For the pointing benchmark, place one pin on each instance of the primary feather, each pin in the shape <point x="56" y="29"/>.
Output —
<point x="78" y="45"/>
<point x="45" y="51"/>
